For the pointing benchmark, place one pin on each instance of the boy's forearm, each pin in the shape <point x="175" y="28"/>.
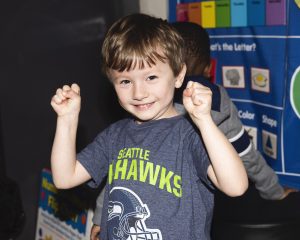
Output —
<point x="227" y="168"/>
<point x="63" y="156"/>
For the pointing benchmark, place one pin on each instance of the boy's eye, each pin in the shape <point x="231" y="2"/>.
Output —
<point x="152" y="77"/>
<point x="124" y="82"/>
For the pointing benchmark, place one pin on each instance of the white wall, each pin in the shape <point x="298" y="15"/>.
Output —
<point x="157" y="8"/>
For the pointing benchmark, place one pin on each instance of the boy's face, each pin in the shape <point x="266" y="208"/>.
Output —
<point x="147" y="93"/>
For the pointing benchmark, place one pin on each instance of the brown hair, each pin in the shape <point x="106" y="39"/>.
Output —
<point x="140" y="39"/>
<point x="196" y="45"/>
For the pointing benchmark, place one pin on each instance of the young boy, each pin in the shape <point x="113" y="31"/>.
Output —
<point x="159" y="173"/>
<point x="224" y="114"/>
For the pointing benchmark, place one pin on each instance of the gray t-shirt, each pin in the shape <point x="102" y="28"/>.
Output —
<point x="157" y="180"/>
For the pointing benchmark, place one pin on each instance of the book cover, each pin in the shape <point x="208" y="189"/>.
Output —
<point x="182" y="12"/>
<point x="208" y="14"/>
<point x="223" y="13"/>
<point x="194" y="12"/>
<point x="275" y="12"/>
<point x="62" y="215"/>
<point x="238" y="13"/>
<point x="256" y="12"/>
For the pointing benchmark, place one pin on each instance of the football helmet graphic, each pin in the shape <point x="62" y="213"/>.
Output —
<point x="127" y="215"/>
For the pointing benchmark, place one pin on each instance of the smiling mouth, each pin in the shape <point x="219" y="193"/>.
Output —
<point x="143" y="107"/>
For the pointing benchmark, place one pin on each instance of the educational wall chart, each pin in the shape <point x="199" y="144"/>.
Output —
<point x="61" y="218"/>
<point x="257" y="59"/>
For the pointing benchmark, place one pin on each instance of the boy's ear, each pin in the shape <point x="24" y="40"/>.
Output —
<point x="180" y="77"/>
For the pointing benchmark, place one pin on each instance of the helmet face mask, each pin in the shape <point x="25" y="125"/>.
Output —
<point x="127" y="215"/>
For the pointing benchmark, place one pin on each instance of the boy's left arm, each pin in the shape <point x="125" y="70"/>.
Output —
<point x="226" y="170"/>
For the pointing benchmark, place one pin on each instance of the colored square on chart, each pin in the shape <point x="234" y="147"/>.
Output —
<point x="238" y="13"/>
<point x="260" y="79"/>
<point x="223" y="13"/>
<point x="275" y="12"/>
<point x="194" y="12"/>
<point x="208" y="14"/>
<point x="233" y="76"/>
<point x="256" y="12"/>
<point x="182" y="12"/>
<point x="269" y="142"/>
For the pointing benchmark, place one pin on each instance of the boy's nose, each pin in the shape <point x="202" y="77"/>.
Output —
<point x="139" y="91"/>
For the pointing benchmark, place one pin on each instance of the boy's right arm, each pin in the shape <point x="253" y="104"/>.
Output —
<point x="67" y="171"/>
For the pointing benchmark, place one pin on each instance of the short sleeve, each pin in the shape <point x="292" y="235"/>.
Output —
<point x="199" y="157"/>
<point x="94" y="158"/>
